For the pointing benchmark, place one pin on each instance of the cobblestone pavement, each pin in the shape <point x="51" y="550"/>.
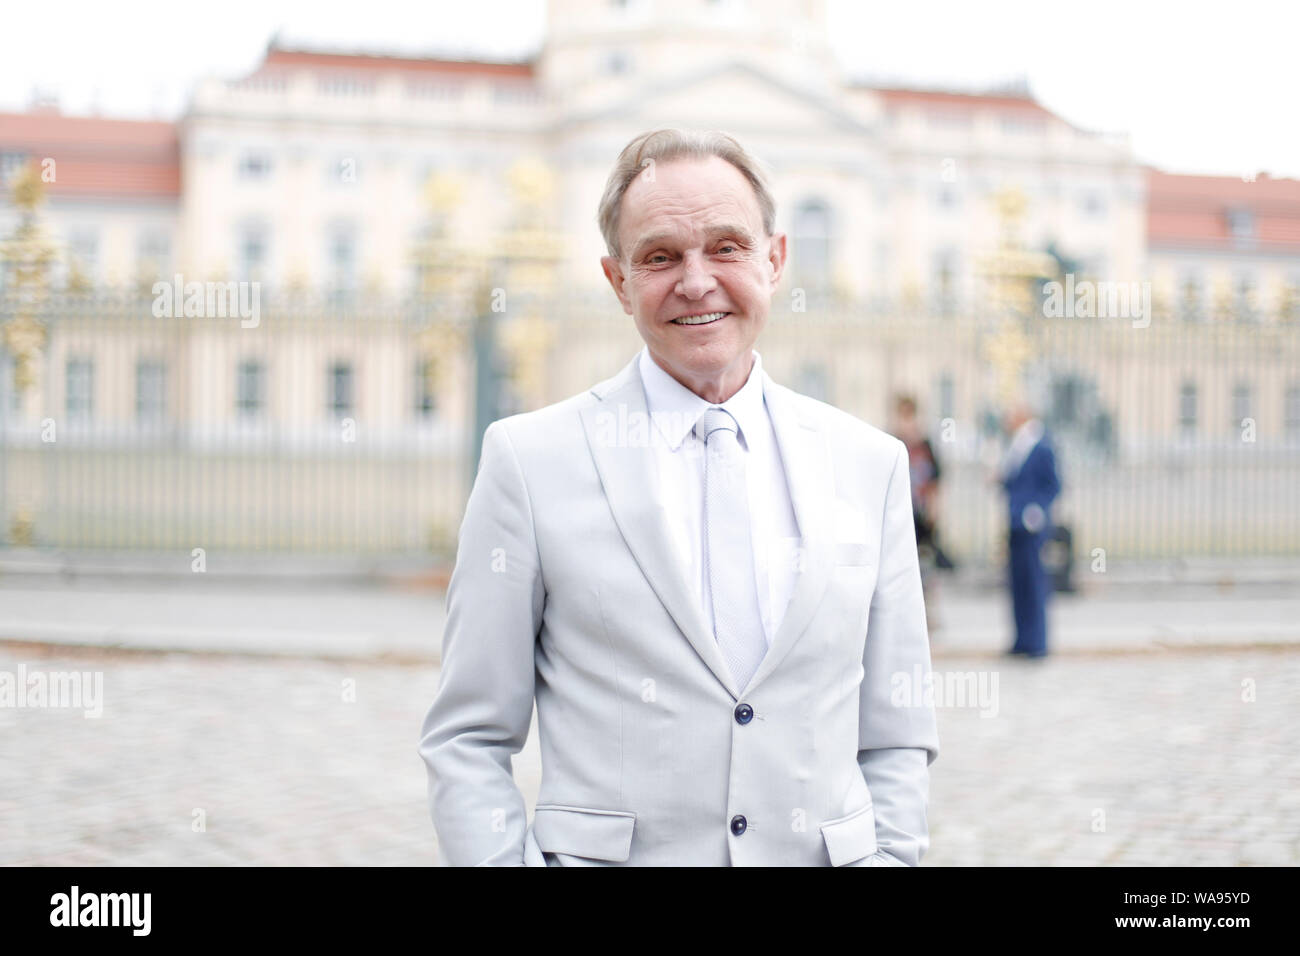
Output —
<point x="1159" y="749"/>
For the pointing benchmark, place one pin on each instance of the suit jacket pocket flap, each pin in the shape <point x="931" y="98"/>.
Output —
<point x="579" y="831"/>
<point x="852" y="837"/>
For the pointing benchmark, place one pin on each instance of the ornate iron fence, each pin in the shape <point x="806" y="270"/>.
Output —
<point x="350" y="426"/>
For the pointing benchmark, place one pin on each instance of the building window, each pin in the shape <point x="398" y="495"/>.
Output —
<point x="255" y="165"/>
<point x="514" y="94"/>
<point x="1093" y="203"/>
<point x="617" y="63"/>
<point x="947" y="396"/>
<point x="812" y="243"/>
<point x="150" y="392"/>
<point x="79" y="376"/>
<point x="341" y="394"/>
<point x="250" y="389"/>
<point x="439" y="90"/>
<point x="956" y="119"/>
<point x="252" y="253"/>
<point x="425" y="401"/>
<point x="1019" y="125"/>
<point x="344" y="84"/>
<point x="1073" y="397"/>
<point x="341" y="255"/>
<point x="10" y="164"/>
<point x="947" y="198"/>
<point x="153" y="252"/>
<point x="1191" y="297"/>
<point x="945" y="280"/>
<point x="1187" y="409"/>
<point x="1241" y="224"/>
<point x="1244" y="304"/>
<point x="1240" y="405"/>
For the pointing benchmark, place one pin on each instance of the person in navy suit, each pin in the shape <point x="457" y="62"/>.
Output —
<point x="1031" y="484"/>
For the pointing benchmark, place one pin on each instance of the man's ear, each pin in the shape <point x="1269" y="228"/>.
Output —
<point x="776" y="257"/>
<point x="613" y="269"/>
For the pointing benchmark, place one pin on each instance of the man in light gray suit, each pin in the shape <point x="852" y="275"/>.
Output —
<point x="707" y="582"/>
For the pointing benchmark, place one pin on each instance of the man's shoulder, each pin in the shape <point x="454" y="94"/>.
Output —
<point x="547" y="429"/>
<point x="844" y="427"/>
<point x="547" y="422"/>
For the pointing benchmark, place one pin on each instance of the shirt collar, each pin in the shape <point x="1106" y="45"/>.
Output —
<point x="675" y="409"/>
<point x="1022" y="443"/>
<point x="1028" y="434"/>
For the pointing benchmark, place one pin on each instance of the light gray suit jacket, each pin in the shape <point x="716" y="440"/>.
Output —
<point x="565" y="590"/>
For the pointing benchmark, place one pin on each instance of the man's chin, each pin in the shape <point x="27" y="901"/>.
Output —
<point x="711" y="362"/>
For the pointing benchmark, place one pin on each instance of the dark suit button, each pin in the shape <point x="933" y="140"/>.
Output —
<point x="744" y="713"/>
<point x="738" y="824"/>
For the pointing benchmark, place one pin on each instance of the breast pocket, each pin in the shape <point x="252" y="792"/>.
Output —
<point x="853" y="582"/>
<point x="584" y="832"/>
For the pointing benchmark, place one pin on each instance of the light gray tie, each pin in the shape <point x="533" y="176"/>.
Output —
<point x="728" y="551"/>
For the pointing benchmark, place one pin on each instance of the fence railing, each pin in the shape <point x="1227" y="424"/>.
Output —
<point x="333" y="427"/>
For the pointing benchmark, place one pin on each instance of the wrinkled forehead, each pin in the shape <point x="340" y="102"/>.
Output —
<point x="688" y="201"/>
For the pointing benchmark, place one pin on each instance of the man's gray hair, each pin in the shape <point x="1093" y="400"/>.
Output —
<point x="662" y="145"/>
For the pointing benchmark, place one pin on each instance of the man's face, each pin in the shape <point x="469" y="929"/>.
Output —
<point x="1014" y="417"/>
<point x="693" y="244"/>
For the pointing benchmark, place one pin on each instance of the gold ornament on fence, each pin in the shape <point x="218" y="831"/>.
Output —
<point x="526" y="342"/>
<point x="1013" y="273"/>
<point x="26" y="256"/>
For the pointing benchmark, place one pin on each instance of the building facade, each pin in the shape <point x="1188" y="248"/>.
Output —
<point x="373" y="200"/>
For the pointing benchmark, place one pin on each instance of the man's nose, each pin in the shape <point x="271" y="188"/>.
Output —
<point x="697" y="279"/>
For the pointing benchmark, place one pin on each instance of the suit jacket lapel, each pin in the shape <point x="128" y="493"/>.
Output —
<point x="806" y="458"/>
<point x="619" y="432"/>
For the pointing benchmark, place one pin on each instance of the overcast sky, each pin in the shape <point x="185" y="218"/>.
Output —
<point x="1200" y="87"/>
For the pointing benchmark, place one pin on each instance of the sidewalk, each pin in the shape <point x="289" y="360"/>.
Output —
<point x="211" y="615"/>
<point x="401" y="619"/>
<point x="1124" y="621"/>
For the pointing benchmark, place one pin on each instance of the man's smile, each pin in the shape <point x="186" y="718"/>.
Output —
<point x="700" y="318"/>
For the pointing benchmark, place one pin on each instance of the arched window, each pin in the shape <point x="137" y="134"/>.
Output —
<point x="341" y="260"/>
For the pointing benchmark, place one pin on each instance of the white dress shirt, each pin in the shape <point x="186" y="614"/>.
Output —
<point x="679" y="455"/>
<point x="1029" y="434"/>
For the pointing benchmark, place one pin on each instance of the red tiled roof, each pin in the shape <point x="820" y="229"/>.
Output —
<point x="947" y="98"/>
<point x="1193" y="210"/>
<point x="96" y="157"/>
<point x="278" y="60"/>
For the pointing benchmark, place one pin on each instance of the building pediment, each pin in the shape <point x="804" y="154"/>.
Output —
<point x="736" y="95"/>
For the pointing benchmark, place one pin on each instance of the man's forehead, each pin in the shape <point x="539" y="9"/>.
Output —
<point x="681" y="196"/>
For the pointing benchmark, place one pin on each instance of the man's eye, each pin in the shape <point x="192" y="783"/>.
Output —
<point x="657" y="257"/>
<point x="726" y="247"/>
